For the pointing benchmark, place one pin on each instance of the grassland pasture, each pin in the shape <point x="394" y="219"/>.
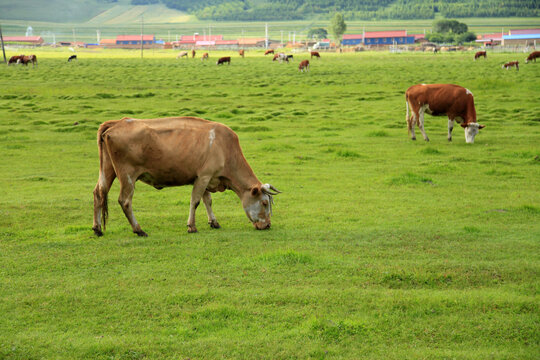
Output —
<point x="380" y="247"/>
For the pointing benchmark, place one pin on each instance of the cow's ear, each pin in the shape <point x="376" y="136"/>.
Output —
<point x="255" y="191"/>
<point x="481" y="126"/>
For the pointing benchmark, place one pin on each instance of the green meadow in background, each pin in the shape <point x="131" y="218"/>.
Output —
<point x="380" y="247"/>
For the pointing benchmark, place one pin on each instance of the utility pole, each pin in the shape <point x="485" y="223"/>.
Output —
<point x="74" y="41"/>
<point x="266" y="36"/>
<point x="281" y="37"/>
<point x="142" y="29"/>
<point x="2" y="41"/>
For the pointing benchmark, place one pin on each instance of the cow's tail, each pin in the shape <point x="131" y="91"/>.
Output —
<point x="104" y="160"/>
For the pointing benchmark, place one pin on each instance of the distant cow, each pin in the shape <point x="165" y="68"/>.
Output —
<point x="532" y="56"/>
<point x="27" y="59"/>
<point x="182" y="54"/>
<point x="72" y="57"/>
<point x="241" y="52"/>
<point x="479" y="54"/>
<point x="453" y="101"/>
<point x="193" y="53"/>
<point x="304" y="64"/>
<point x="175" y="152"/>
<point x="290" y="58"/>
<point x="204" y="57"/>
<point x="281" y="57"/>
<point x="223" y="60"/>
<point x="15" y="59"/>
<point x="316" y="54"/>
<point x="510" y="64"/>
<point x="269" y="51"/>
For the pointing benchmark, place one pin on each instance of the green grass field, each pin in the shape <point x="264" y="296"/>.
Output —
<point x="380" y="247"/>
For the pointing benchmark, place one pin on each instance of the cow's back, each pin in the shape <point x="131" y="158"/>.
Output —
<point x="171" y="150"/>
<point x="441" y="98"/>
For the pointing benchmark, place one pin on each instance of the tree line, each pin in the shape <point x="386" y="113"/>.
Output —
<point x="248" y="10"/>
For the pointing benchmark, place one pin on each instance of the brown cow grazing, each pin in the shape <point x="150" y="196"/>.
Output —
<point x="304" y="64"/>
<point x="453" y="101"/>
<point x="182" y="54"/>
<point x="175" y="152"/>
<point x="15" y="59"/>
<point x="223" y="60"/>
<point x="193" y="53"/>
<point x="26" y="59"/>
<point x="269" y="51"/>
<point x="241" y="52"/>
<point x="316" y="54"/>
<point x="479" y="54"/>
<point x="532" y="56"/>
<point x="510" y="64"/>
<point x="204" y="57"/>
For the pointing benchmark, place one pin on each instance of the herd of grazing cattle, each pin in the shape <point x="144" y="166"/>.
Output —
<point x="211" y="158"/>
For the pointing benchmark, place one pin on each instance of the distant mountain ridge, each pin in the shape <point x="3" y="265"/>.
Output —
<point x="96" y="11"/>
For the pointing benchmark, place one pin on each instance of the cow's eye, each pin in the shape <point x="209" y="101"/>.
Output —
<point x="265" y="202"/>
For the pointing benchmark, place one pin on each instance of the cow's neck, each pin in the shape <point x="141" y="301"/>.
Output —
<point x="241" y="178"/>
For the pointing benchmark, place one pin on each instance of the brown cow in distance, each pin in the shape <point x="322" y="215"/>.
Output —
<point x="316" y="54"/>
<point x="26" y="59"/>
<point x="480" y="54"/>
<point x="193" y="53"/>
<point x="204" y="57"/>
<point x="15" y="59"/>
<point x="269" y="51"/>
<point x="304" y="64"/>
<point x="510" y="64"/>
<point x="223" y="60"/>
<point x="532" y="56"/>
<point x="175" y="152"/>
<point x="454" y="101"/>
<point x="241" y="52"/>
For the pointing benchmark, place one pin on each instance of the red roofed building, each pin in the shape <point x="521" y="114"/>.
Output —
<point x="135" y="39"/>
<point x="195" y="38"/>
<point x="31" y="40"/>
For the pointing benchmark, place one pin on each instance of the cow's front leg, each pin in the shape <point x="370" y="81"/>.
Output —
<point x="450" y="128"/>
<point x="207" y="199"/>
<point x="199" y="187"/>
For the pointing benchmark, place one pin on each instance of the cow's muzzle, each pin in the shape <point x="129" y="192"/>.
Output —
<point x="261" y="225"/>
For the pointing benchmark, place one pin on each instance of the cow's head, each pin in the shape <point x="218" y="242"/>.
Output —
<point x="258" y="205"/>
<point x="471" y="129"/>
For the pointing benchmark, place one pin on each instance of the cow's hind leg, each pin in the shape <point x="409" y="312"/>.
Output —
<point x="127" y="188"/>
<point x="101" y="191"/>
<point x="199" y="188"/>
<point x="450" y="128"/>
<point x="421" y="123"/>
<point x="207" y="199"/>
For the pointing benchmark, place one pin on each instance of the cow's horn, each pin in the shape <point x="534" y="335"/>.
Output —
<point x="267" y="187"/>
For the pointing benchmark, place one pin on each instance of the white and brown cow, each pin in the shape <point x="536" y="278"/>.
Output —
<point x="175" y="152"/>
<point x="454" y="101"/>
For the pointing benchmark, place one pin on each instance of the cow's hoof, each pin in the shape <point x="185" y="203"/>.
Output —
<point x="191" y="229"/>
<point x="98" y="232"/>
<point x="214" y="224"/>
<point x="141" y="233"/>
<point x="426" y="139"/>
<point x="450" y="139"/>
<point x="413" y="138"/>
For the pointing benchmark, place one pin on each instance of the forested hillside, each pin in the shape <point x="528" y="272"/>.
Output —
<point x="246" y="10"/>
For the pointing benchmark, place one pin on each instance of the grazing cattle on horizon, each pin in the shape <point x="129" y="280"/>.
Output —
<point x="290" y="58"/>
<point x="532" y="56"/>
<point x="26" y="59"/>
<point x="510" y="64"/>
<point x="269" y="51"/>
<point x="15" y="59"/>
<point x="223" y="60"/>
<point x="204" y="57"/>
<point x="241" y="52"/>
<point x="479" y="54"/>
<point x="182" y="54"/>
<point x="193" y="53"/>
<point x="304" y="64"/>
<point x="175" y="152"/>
<point x="316" y="54"/>
<point x="72" y="57"/>
<point x="454" y="101"/>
